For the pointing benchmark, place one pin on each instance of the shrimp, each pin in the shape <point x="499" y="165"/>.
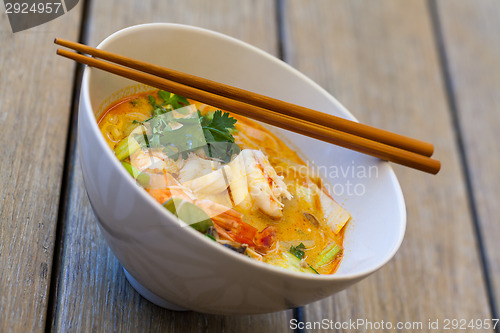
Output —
<point x="265" y="187"/>
<point x="228" y="222"/>
<point x="230" y="226"/>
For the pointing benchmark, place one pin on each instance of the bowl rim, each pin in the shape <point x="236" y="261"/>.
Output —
<point x="261" y="266"/>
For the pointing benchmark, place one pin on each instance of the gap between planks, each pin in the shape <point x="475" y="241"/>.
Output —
<point x="66" y="182"/>
<point x="466" y="171"/>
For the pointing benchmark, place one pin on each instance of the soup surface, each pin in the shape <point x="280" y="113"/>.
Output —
<point x="228" y="177"/>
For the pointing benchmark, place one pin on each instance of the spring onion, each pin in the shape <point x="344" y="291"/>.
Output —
<point x="142" y="178"/>
<point x="328" y="254"/>
<point x="126" y="147"/>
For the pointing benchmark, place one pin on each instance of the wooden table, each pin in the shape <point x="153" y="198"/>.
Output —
<point x="429" y="69"/>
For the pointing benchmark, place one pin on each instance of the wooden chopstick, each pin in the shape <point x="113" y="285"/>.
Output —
<point x="307" y="128"/>
<point x="296" y="111"/>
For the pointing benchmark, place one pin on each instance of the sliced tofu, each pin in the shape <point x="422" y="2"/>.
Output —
<point x="335" y="215"/>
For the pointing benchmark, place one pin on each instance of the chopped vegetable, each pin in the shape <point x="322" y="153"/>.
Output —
<point x="335" y="215"/>
<point x="312" y="268"/>
<point x="189" y="213"/>
<point x="298" y="250"/>
<point x="142" y="178"/>
<point x="328" y="254"/>
<point x="297" y="265"/>
<point x="126" y="147"/>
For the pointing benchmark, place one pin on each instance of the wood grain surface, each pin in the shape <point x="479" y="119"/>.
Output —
<point x="93" y="294"/>
<point x="470" y="36"/>
<point x="380" y="59"/>
<point x="35" y="99"/>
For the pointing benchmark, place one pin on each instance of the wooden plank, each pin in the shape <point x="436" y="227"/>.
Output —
<point x="470" y="33"/>
<point x="35" y="99"/>
<point x="93" y="294"/>
<point x="379" y="59"/>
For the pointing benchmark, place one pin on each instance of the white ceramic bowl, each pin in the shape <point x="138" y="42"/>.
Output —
<point x="178" y="268"/>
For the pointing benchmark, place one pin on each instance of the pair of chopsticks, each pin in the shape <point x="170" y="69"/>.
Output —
<point x="366" y="139"/>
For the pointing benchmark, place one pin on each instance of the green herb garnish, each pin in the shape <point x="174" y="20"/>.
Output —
<point x="218" y="128"/>
<point x="298" y="250"/>
<point x="173" y="100"/>
<point x="212" y="132"/>
<point x="328" y="254"/>
<point x="315" y="271"/>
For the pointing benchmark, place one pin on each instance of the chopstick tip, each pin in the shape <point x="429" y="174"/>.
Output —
<point x="431" y="150"/>
<point x="437" y="167"/>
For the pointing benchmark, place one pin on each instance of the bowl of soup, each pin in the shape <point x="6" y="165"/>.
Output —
<point x="213" y="212"/>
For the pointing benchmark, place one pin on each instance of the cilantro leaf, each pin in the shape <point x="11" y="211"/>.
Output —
<point x="208" y="135"/>
<point x="222" y="121"/>
<point x="217" y="127"/>
<point x="165" y="96"/>
<point x="157" y="109"/>
<point x="174" y="100"/>
<point x="223" y="150"/>
<point x="219" y="135"/>
<point x="299" y="252"/>
<point x="205" y="120"/>
<point x="216" y="137"/>
<point x="152" y="101"/>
